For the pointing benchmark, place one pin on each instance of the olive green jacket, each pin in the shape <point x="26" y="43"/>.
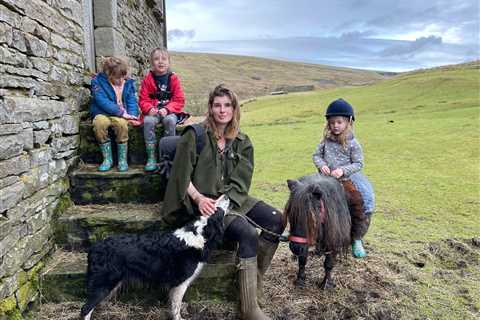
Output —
<point x="212" y="173"/>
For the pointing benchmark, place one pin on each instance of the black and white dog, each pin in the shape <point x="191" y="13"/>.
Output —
<point x="169" y="259"/>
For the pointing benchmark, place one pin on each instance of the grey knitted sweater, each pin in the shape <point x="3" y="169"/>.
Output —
<point x="332" y="154"/>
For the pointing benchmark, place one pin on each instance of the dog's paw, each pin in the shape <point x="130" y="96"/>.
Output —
<point x="223" y="203"/>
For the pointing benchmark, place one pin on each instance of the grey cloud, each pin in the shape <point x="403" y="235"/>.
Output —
<point x="354" y="35"/>
<point x="408" y="48"/>
<point x="177" y="34"/>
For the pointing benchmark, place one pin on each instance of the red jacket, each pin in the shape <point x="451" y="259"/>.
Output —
<point x="148" y="86"/>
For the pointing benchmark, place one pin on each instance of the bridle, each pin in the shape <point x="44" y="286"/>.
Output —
<point x="304" y="240"/>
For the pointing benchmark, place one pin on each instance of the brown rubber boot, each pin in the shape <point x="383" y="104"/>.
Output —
<point x="249" y="309"/>
<point x="265" y="251"/>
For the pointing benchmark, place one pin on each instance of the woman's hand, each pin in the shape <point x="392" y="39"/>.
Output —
<point x="337" y="173"/>
<point x="325" y="170"/>
<point x="205" y="205"/>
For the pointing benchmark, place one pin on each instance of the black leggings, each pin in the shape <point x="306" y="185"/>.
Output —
<point x="243" y="232"/>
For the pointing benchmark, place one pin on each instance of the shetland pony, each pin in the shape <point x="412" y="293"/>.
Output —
<point x="170" y="259"/>
<point x="318" y="214"/>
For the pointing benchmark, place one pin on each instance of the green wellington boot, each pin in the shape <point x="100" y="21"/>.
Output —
<point x="151" y="159"/>
<point x="358" y="250"/>
<point x="122" y="157"/>
<point x="106" y="149"/>
<point x="249" y="308"/>
<point x="265" y="251"/>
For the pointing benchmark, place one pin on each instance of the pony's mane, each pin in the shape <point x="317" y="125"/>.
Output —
<point x="302" y="207"/>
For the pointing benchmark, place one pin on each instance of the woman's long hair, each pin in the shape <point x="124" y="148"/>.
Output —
<point x="232" y="129"/>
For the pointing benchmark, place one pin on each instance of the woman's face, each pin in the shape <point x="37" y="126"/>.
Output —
<point x="222" y="110"/>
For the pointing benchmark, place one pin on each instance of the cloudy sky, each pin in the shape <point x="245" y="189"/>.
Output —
<point x="372" y="34"/>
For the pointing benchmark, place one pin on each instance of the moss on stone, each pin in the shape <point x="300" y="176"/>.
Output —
<point x="8" y="305"/>
<point x="63" y="204"/>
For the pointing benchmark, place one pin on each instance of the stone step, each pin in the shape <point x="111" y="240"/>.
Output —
<point x="80" y="226"/>
<point x="90" y="152"/>
<point x="89" y="186"/>
<point x="64" y="280"/>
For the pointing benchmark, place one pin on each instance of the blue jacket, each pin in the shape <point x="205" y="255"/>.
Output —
<point x="104" y="101"/>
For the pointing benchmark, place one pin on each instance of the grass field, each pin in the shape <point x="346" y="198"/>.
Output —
<point x="421" y="138"/>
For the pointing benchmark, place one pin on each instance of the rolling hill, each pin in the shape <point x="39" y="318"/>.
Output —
<point x="252" y="77"/>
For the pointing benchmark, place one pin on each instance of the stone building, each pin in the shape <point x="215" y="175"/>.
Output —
<point x="48" y="51"/>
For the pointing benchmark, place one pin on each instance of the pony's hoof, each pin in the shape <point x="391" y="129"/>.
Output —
<point x="299" y="283"/>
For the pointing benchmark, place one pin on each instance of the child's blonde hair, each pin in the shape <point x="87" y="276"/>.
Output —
<point x="233" y="127"/>
<point x="162" y="50"/>
<point x="115" y="68"/>
<point x="341" y="138"/>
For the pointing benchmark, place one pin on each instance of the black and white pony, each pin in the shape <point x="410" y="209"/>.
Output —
<point x="318" y="215"/>
<point x="169" y="259"/>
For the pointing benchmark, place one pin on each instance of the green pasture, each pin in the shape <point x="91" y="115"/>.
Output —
<point x="421" y="139"/>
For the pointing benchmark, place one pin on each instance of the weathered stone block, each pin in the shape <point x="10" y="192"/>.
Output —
<point x="11" y="195"/>
<point x="24" y="72"/>
<point x="9" y="16"/>
<point x="57" y="169"/>
<point x="70" y="9"/>
<point x="41" y="64"/>
<point x="62" y="144"/>
<point x="6" y="35"/>
<point x="13" y="57"/>
<point x="10" y="128"/>
<point x="8" y="286"/>
<point x="35" y="179"/>
<point x="8" y="181"/>
<point x="66" y="125"/>
<point x="27" y="138"/>
<point x="105" y="13"/>
<point x="12" y="145"/>
<point x="40" y="137"/>
<point x="18" y="40"/>
<point x="33" y="109"/>
<point x="9" y="240"/>
<point x="35" y="46"/>
<point x="40" y="125"/>
<point x="14" y="166"/>
<point x="90" y="186"/>
<point x="40" y="156"/>
<point x="58" y="74"/>
<point x="109" y="42"/>
<point x="68" y="57"/>
<point x="31" y="26"/>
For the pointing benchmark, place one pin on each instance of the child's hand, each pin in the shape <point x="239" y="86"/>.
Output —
<point x="153" y="112"/>
<point x="325" y="170"/>
<point x="135" y="123"/>
<point x="127" y="116"/>
<point x="337" y="173"/>
<point x="163" y="112"/>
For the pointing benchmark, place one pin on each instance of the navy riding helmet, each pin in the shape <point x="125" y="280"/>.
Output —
<point x="340" y="107"/>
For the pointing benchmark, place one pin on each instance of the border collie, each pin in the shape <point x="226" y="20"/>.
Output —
<point x="169" y="259"/>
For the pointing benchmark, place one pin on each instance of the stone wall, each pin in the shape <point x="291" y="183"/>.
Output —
<point x="41" y="88"/>
<point x="44" y="84"/>
<point x="129" y="28"/>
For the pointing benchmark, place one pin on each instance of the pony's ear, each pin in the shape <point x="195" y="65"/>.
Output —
<point x="292" y="184"/>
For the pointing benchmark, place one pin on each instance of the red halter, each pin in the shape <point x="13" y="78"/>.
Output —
<point x="298" y="239"/>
